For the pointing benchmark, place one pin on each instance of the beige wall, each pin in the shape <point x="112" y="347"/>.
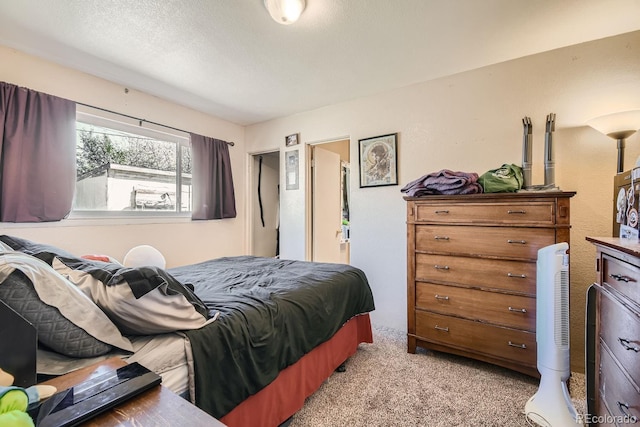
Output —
<point x="181" y="241"/>
<point x="473" y="122"/>
<point x="339" y="147"/>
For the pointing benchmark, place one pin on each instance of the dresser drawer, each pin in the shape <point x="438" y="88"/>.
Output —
<point x="526" y="213"/>
<point x="507" y="310"/>
<point x="620" y="330"/>
<point x="509" y="242"/>
<point x="623" y="277"/>
<point x="505" y="343"/>
<point x="620" y="396"/>
<point x="516" y="276"/>
<point x="604" y="418"/>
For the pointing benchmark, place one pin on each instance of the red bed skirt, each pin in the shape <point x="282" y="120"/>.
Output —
<point x="278" y="401"/>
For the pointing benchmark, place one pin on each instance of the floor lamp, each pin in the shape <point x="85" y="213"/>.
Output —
<point x="618" y="126"/>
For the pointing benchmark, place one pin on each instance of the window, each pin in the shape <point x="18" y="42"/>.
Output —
<point x="124" y="169"/>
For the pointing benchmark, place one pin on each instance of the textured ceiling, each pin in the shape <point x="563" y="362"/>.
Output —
<point x="229" y="59"/>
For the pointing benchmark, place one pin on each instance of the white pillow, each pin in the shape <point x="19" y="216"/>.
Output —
<point x="159" y="310"/>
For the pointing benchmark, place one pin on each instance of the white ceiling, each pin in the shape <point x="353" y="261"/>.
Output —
<point x="229" y="59"/>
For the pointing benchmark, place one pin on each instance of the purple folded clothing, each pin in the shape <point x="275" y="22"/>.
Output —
<point x="444" y="182"/>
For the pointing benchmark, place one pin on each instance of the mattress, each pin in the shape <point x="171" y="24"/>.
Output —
<point x="166" y="355"/>
<point x="271" y="312"/>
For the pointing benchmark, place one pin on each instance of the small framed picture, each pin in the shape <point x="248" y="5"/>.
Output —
<point x="291" y="140"/>
<point x="378" y="161"/>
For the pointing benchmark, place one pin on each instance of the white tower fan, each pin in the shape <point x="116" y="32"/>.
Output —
<point x="551" y="406"/>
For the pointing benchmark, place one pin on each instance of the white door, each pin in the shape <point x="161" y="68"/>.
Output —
<point x="327" y="208"/>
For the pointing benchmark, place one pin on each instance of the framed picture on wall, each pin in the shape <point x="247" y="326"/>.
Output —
<point x="378" y="161"/>
<point x="291" y="140"/>
<point x="292" y="170"/>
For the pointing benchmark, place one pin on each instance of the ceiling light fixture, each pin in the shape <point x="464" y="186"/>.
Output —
<point x="618" y="126"/>
<point x="285" y="11"/>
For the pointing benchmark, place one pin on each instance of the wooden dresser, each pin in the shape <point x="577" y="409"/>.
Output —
<point x="471" y="272"/>
<point x="613" y="334"/>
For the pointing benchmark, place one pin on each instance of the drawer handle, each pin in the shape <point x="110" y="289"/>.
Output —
<point x="624" y="408"/>
<point x="442" y="297"/>
<point x="510" y="212"/>
<point x="520" y="242"/>
<point x="522" y="346"/>
<point x="441" y="238"/>
<point x="440" y="328"/>
<point x="518" y="310"/>
<point x="519" y="276"/>
<point x="627" y="345"/>
<point x="442" y="212"/>
<point x="620" y="278"/>
<point x="441" y="267"/>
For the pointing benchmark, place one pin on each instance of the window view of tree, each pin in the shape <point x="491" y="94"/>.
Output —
<point x="122" y="171"/>
<point x="96" y="149"/>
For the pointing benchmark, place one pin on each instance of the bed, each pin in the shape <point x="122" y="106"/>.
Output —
<point x="245" y="338"/>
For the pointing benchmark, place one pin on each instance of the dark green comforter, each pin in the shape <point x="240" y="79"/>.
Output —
<point x="272" y="312"/>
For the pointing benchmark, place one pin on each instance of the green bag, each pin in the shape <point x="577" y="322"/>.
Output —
<point x="506" y="179"/>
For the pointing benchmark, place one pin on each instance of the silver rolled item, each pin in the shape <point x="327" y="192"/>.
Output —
<point x="527" y="145"/>
<point x="549" y="162"/>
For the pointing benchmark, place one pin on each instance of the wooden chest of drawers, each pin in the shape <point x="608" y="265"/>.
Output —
<point x="613" y="334"/>
<point x="471" y="273"/>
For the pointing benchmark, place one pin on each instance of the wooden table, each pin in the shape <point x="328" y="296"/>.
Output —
<point x="158" y="406"/>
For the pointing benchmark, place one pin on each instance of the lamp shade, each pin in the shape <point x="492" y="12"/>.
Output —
<point x="617" y="125"/>
<point x="285" y="11"/>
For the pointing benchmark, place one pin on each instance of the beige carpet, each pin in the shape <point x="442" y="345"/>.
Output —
<point x="385" y="386"/>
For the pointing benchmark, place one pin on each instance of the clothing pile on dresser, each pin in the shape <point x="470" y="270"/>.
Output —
<point x="444" y="181"/>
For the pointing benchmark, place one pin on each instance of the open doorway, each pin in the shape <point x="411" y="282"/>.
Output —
<point x="329" y="231"/>
<point x="264" y="201"/>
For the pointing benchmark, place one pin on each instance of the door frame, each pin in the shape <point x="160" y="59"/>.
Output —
<point x="251" y="187"/>
<point x="308" y="225"/>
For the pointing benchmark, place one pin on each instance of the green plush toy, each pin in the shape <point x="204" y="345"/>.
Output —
<point x="15" y="400"/>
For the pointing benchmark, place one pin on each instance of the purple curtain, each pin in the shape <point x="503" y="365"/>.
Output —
<point x="213" y="194"/>
<point x="37" y="155"/>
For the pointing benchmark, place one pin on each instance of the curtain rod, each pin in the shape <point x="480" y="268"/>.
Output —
<point x="231" y="143"/>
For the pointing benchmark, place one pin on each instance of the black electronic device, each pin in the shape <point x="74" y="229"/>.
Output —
<point x="77" y="404"/>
